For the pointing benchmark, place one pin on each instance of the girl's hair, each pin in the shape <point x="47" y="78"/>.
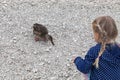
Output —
<point x="106" y="28"/>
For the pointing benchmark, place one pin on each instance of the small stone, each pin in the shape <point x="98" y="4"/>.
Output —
<point x="11" y="41"/>
<point x="53" y="78"/>
<point x="75" y="40"/>
<point x="22" y="32"/>
<point x="37" y="78"/>
<point x="57" y="56"/>
<point x="68" y="65"/>
<point x="26" y="34"/>
<point x="42" y="63"/>
<point x="28" y="70"/>
<point x="68" y="59"/>
<point x="35" y="70"/>
<point x="12" y="57"/>
<point x="14" y="38"/>
<point x="48" y="62"/>
<point x="35" y="52"/>
<point x="76" y="26"/>
<point x="14" y="41"/>
<point x="48" y="49"/>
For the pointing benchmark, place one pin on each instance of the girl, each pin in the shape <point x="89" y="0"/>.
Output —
<point x="102" y="60"/>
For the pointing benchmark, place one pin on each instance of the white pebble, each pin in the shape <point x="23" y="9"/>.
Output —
<point x="53" y="78"/>
<point x="35" y="70"/>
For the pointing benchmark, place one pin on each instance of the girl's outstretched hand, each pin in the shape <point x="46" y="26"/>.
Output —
<point x="73" y="58"/>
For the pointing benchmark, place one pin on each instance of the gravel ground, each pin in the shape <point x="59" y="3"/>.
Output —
<point x="68" y="21"/>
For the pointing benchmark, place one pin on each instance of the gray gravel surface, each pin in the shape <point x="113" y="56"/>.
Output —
<point x="68" y="21"/>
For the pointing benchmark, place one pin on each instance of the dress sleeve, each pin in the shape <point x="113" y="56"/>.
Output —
<point x="84" y="65"/>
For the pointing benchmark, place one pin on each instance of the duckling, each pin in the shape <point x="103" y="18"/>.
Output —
<point x="41" y="33"/>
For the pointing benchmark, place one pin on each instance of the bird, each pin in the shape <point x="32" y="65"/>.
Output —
<point x="41" y="33"/>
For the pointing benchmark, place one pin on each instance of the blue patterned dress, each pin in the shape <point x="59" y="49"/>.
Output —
<point x="109" y="63"/>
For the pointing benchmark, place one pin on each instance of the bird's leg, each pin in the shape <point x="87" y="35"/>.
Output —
<point x="37" y="38"/>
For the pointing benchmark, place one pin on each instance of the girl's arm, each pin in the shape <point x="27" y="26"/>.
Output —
<point x="84" y="65"/>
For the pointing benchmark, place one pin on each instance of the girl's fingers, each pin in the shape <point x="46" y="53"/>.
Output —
<point x="73" y="58"/>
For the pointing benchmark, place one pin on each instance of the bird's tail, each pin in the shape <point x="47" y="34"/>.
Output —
<point x="51" y="39"/>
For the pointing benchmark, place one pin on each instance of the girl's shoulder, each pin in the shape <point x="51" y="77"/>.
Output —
<point x="117" y="44"/>
<point x="95" y="47"/>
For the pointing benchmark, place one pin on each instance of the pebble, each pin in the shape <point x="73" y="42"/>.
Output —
<point x="48" y="49"/>
<point x="68" y="65"/>
<point x="35" y="70"/>
<point x="74" y="39"/>
<point x="14" y="41"/>
<point x="35" y="52"/>
<point x="42" y="63"/>
<point x="53" y="78"/>
<point x="26" y="34"/>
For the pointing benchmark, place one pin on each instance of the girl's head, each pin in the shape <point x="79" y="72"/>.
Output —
<point x="105" y="31"/>
<point x="105" y="28"/>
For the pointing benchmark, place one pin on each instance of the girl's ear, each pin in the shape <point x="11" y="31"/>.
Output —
<point x="96" y="36"/>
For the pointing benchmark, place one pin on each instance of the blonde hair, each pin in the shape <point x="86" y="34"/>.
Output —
<point x="106" y="28"/>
